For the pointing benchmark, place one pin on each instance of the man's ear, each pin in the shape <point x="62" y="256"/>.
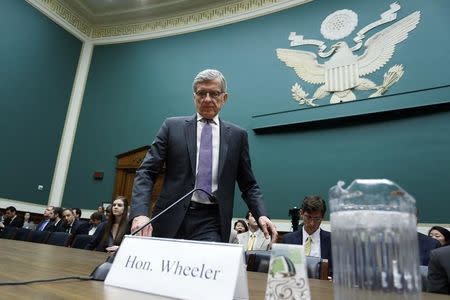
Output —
<point x="225" y="97"/>
<point x="300" y="212"/>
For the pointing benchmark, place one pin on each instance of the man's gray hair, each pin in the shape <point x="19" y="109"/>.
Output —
<point x="208" y="75"/>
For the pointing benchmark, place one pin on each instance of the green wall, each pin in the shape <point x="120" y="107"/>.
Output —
<point x="38" y="60"/>
<point x="133" y="87"/>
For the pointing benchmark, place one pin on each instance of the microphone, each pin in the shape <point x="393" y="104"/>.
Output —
<point x="102" y="270"/>
<point x="211" y="197"/>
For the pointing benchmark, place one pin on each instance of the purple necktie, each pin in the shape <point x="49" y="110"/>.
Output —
<point x="204" y="174"/>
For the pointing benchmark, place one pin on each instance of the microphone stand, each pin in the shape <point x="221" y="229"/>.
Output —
<point x="212" y="198"/>
<point x="102" y="270"/>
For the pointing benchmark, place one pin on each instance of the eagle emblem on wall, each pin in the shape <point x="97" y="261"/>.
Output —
<point x="344" y="71"/>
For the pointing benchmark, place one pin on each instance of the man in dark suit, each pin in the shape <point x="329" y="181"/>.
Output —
<point x="317" y="242"/>
<point x="45" y="219"/>
<point x="439" y="271"/>
<point x="213" y="159"/>
<point x="56" y="222"/>
<point x="72" y="225"/>
<point x="11" y="218"/>
<point x="426" y="245"/>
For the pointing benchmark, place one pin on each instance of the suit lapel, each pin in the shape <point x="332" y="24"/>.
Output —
<point x="190" y="132"/>
<point x="223" y="149"/>
<point x="260" y="239"/>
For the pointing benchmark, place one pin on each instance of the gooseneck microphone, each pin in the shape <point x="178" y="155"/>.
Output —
<point x="102" y="270"/>
<point x="211" y="197"/>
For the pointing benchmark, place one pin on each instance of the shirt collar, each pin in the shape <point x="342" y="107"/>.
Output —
<point x="315" y="236"/>
<point x="215" y="119"/>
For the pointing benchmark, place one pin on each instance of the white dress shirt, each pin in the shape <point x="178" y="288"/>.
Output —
<point x="315" y="243"/>
<point x="215" y="152"/>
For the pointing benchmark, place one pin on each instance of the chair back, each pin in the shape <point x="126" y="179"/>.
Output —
<point x="81" y="240"/>
<point x="8" y="232"/>
<point x="59" y="239"/>
<point x="258" y="260"/>
<point x="424" y="275"/>
<point x="317" y="267"/>
<point x="22" y="234"/>
<point x="37" y="236"/>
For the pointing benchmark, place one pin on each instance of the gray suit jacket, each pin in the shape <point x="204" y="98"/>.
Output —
<point x="439" y="271"/>
<point x="176" y="146"/>
<point x="261" y="243"/>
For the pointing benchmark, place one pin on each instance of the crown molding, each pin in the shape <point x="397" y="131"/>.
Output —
<point x="64" y="17"/>
<point x="122" y="33"/>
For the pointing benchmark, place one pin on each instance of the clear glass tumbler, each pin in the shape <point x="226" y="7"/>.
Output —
<point x="374" y="241"/>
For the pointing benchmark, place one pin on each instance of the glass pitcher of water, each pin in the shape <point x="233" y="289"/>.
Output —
<point x="374" y="241"/>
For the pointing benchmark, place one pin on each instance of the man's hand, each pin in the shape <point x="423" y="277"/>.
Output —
<point x="112" y="250"/>
<point x="140" y="221"/>
<point x="268" y="228"/>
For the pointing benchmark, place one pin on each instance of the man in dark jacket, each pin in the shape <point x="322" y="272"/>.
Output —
<point x="316" y="241"/>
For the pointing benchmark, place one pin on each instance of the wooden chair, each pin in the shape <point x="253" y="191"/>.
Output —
<point x="81" y="240"/>
<point x="59" y="239"/>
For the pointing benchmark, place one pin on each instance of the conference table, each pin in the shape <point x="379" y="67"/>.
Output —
<point x="25" y="261"/>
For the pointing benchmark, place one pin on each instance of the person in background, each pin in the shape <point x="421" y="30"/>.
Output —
<point x="254" y="238"/>
<point x="105" y="217"/>
<point x="441" y="234"/>
<point x="198" y="151"/>
<point x="56" y="223"/>
<point x="46" y="219"/>
<point x="109" y="235"/>
<point x="76" y="212"/>
<point x="27" y="223"/>
<point x="72" y="225"/>
<point x="240" y="226"/>
<point x="439" y="271"/>
<point x="94" y="221"/>
<point x="316" y="241"/>
<point x="426" y="245"/>
<point x="11" y="218"/>
<point x="101" y="211"/>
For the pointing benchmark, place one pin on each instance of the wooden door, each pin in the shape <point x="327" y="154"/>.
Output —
<point x="127" y="164"/>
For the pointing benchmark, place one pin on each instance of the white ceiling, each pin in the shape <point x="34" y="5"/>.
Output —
<point x="107" y="12"/>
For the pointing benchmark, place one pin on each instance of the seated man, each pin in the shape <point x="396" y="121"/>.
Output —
<point x="439" y="271"/>
<point x="72" y="225"/>
<point x="254" y="238"/>
<point x="11" y="218"/>
<point x="317" y="242"/>
<point x="45" y="219"/>
<point x="56" y="222"/>
<point x="95" y="220"/>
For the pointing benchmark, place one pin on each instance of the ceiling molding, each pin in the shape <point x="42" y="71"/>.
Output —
<point x="64" y="17"/>
<point x="190" y="22"/>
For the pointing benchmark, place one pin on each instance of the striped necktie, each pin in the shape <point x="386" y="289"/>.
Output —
<point x="308" y="245"/>
<point x="251" y="241"/>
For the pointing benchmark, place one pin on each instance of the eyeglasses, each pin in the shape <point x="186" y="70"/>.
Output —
<point x="313" y="219"/>
<point x="204" y="94"/>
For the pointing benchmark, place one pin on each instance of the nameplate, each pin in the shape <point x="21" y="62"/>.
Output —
<point x="179" y="268"/>
<point x="288" y="277"/>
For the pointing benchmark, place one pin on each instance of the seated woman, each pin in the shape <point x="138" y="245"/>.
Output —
<point x="441" y="234"/>
<point x="240" y="226"/>
<point x="109" y="234"/>
<point x="27" y="223"/>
